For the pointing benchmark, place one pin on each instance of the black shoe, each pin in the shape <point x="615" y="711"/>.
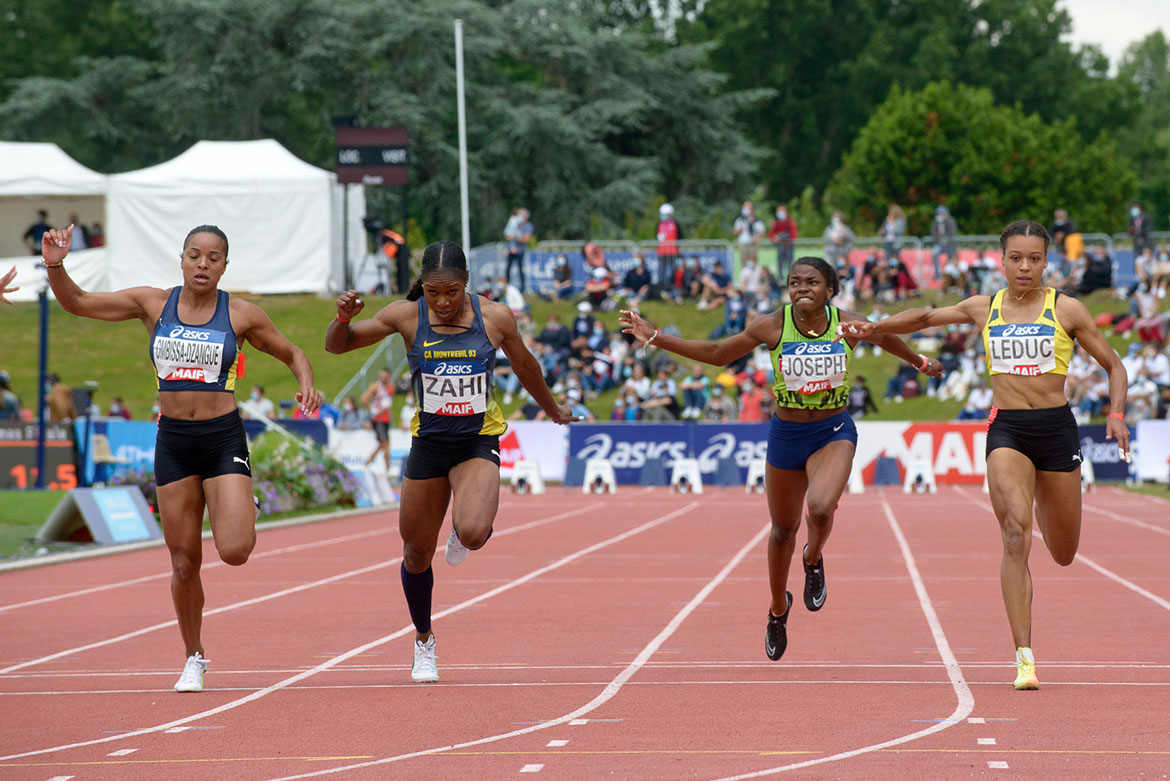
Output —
<point x="776" y="637"/>
<point x="814" y="583"/>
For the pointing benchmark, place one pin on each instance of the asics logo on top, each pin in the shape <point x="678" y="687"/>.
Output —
<point x="454" y="368"/>
<point x="431" y="344"/>
<point x="1021" y="330"/>
<point x="806" y="348"/>
<point x="189" y="333"/>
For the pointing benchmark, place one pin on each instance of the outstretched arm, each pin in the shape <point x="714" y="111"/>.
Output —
<point x="262" y="334"/>
<point x="896" y="347"/>
<point x="129" y="304"/>
<point x="1078" y="323"/>
<point x="971" y="311"/>
<point x="761" y="330"/>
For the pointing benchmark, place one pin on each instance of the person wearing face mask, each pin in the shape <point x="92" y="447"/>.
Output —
<point x="668" y="235"/>
<point x="892" y="229"/>
<point x="748" y="229"/>
<point x="563" y="277"/>
<point x="118" y="409"/>
<point x="1139" y="228"/>
<point x="259" y="405"/>
<point x="943" y="236"/>
<point x="1065" y="237"/>
<point x="783" y="234"/>
<point x="352" y="416"/>
<point x="839" y="239"/>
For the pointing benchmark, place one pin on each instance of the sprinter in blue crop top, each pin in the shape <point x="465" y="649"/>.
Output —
<point x="201" y="455"/>
<point x="451" y="339"/>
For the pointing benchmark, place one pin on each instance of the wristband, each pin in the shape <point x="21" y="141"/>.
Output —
<point x="1117" y="415"/>
<point x="925" y="363"/>
<point x="651" y="339"/>
<point x="339" y="318"/>
<point x="52" y="265"/>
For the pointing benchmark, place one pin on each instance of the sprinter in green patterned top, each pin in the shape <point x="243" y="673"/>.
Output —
<point x="812" y="438"/>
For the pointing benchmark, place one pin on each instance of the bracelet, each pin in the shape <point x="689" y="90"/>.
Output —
<point x="925" y="363"/>
<point x="651" y="339"/>
<point x="1117" y="415"/>
<point x="340" y="319"/>
<point x="52" y="265"/>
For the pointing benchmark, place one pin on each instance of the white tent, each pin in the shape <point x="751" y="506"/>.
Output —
<point x="282" y="217"/>
<point x="37" y="176"/>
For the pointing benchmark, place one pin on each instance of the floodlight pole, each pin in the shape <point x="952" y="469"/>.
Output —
<point x="462" y="112"/>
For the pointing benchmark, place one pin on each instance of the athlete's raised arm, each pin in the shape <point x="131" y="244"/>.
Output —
<point x="895" y="346"/>
<point x="971" y="311"/>
<point x="142" y="303"/>
<point x="343" y="336"/>
<point x="764" y="329"/>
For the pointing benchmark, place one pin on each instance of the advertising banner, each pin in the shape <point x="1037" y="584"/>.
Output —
<point x="541" y="441"/>
<point x="18" y="456"/>
<point x="1153" y="450"/>
<point x="1103" y="453"/>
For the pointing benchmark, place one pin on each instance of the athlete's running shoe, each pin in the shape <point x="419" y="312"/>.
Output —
<point x="1025" y="670"/>
<point x="776" y="637"/>
<point x="456" y="551"/>
<point x="192" y="678"/>
<point x="424" y="669"/>
<point x="815" y="590"/>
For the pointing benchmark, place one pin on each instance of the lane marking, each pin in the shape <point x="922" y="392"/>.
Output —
<point x="986" y="741"/>
<point x="975" y="720"/>
<point x="270" y="596"/>
<point x="997" y="765"/>
<point x="508" y="586"/>
<point x="578" y="722"/>
<point x="1130" y="521"/>
<point x="121" y="752"/>
<point x="557" y="743"/>
<point x="532" y="768"/>
<point x="1088" y="562"/>
<point x="608" y="693"/>
<point x="965" y="700"/>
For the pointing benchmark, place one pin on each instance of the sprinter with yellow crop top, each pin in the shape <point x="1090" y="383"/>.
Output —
<point x="201" y="455"/>
<point x="1033" y="450"/>
<point x="811" y="438"/>
<point x="451" y="338"/>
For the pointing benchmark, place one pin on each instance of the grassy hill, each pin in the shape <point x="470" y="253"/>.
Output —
<point x="115" y="354"/>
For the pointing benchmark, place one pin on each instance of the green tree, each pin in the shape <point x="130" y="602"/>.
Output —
<point x="1146" y="141"/>
<point x="990" y="164"/>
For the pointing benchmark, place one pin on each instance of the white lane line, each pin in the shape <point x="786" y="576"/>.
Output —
<point x="1088" y="562"/>
<point x="207" y="566"/>
<point x="536" y="573"/>
<point x="976" y="720"/>
<point x="60" y="778"/>
<point x="578" y="722"/>
<point x="965" y="700"/>
<point x="995" y="764"/>
<point x="1130" y="521"/>
<point x="177" y="729"/>
<point x="121" y="752"/>
<point x="557" y="743"/>
<point x="267" y="597"/>
<point x="986" y="741"/>
<point x="532" y="768"/>
<point x="608" y="693"/>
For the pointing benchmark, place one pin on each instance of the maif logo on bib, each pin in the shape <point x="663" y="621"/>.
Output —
<point x="1027" y="349"/>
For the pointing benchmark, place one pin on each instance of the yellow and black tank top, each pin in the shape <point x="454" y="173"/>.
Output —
<point x="1028" y="349"/>
<point x="811" y="372"/>
<point x="196" y="357"/>
<point x="452" y="379"/>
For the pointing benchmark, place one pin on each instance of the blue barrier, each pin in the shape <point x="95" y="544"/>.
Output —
<point x="630" y="446"/>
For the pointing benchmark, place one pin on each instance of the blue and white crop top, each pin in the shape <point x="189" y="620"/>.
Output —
<point x="196" y="357"/>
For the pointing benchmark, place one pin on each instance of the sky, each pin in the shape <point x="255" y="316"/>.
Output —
<point x="1115" y="24"/>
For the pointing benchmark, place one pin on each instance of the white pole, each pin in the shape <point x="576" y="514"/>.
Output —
<point x="462" y="111"/>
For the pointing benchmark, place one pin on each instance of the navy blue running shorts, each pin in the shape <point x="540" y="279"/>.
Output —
<point x="791" y="443"/>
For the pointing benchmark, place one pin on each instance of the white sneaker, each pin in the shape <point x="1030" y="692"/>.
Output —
<point x="456" y="551"/>
<point x="192" y="678"/>
<point x="424" y="669"/>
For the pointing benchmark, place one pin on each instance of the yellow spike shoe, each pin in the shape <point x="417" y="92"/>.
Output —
<point x="1025" y="670"/>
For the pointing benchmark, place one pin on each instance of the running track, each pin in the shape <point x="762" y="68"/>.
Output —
<point x="606" y="636"/>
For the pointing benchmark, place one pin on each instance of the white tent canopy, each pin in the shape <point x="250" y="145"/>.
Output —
<point x="282" y="216"/>
<point x="37" y="176"/>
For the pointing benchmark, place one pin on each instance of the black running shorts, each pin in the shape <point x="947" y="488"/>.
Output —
<point x="434" y="455"/>
<point x="1048" y="437"/>
<point x="208" y="448"/>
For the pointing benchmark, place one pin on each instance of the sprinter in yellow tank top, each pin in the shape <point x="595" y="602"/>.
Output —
<point x="1033" y="450"/>
<point x="811" y="437"/>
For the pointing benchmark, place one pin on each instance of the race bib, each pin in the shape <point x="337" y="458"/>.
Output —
<point x="181" y="352"/>
<point x="454" y="387"/>
<point x="812" y="367"/>
<point x="1022" y="348"/>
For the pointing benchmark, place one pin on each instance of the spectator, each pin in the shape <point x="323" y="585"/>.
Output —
<point x="517" y="234"/>
<point x="695" y="391"/>
<point x="630" y="408"/>
<point x="783" y="235"/>
<point x="860" y="399"/>
<point x="751" y="402"/>
<point x="352" y="416"/>
<point x="562" y="277"/>
<point x="662" y="403"/>
<point x="716" y="284"/>
<point x="80" y="238"/>
<point x="503" y="377"/>
<point x="529" y="410"/>
<point x="948" y="356"/>
<point x="839" y="239"/>
<point x="668" y="236"/>
<point x="576" y="404"/>
<point x="509" y="294"/>
<point x="689" y="282"/>
<point x="97" y="238"/>
<point x="978" y="405"/>
<point x="944" y="233"/>
<point x="734" y="313"/>
<point x="60" y="400"/>
<point x="902" y="384"/>
<point x="1150" y="325"/>
<point x="599" y="378"/>
<point x="1098" y="272"/>
<point x="118" y="409"/>
<point x="1139" y="228"/>
<point x="597" y="289"/>
<point x="719" y="408"/>
<point x="32" y="236"/>
<point x="379" y="398"/>
<point x="749" y="279"/>
<point x="258" y="405"/>
<point x="1062" y="231"/>
<point x="748" y="230"/>
<point x="581" y="329"/>
<point x="638" y="382"/>
<point x="637" y="282"/>
<point x="892" y="229"/>
<point x="556" y="335"/>
<point x="1154" y="365"/>
<point x="1160" y="278"/>
<point x="9" y="401"/>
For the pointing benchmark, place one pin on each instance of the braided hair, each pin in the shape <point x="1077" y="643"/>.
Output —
<point x="437" y="256"/>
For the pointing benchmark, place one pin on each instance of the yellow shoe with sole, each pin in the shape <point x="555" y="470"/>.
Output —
<point x="1025" y="670"/>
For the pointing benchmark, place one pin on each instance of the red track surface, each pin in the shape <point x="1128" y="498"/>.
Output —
<point x="615" y="636"/>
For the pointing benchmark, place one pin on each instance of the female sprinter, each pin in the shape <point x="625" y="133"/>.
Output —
<point x="451" y="339"/>
<point x="201" y="456"/>
<point x="1033" y="451"/>
<point x="812" y="438"/>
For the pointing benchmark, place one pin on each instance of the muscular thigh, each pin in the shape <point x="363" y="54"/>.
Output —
<point x="828" y="473"/>
<point x="230" y="508"/>
<point x="1011" y="481"/>
<point x="1058" y="504"/>
<point x="180" y="505"/>
<point x="786" y="488"/>
<point x="475" y="486"/>
<point x="420" y="514"/>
